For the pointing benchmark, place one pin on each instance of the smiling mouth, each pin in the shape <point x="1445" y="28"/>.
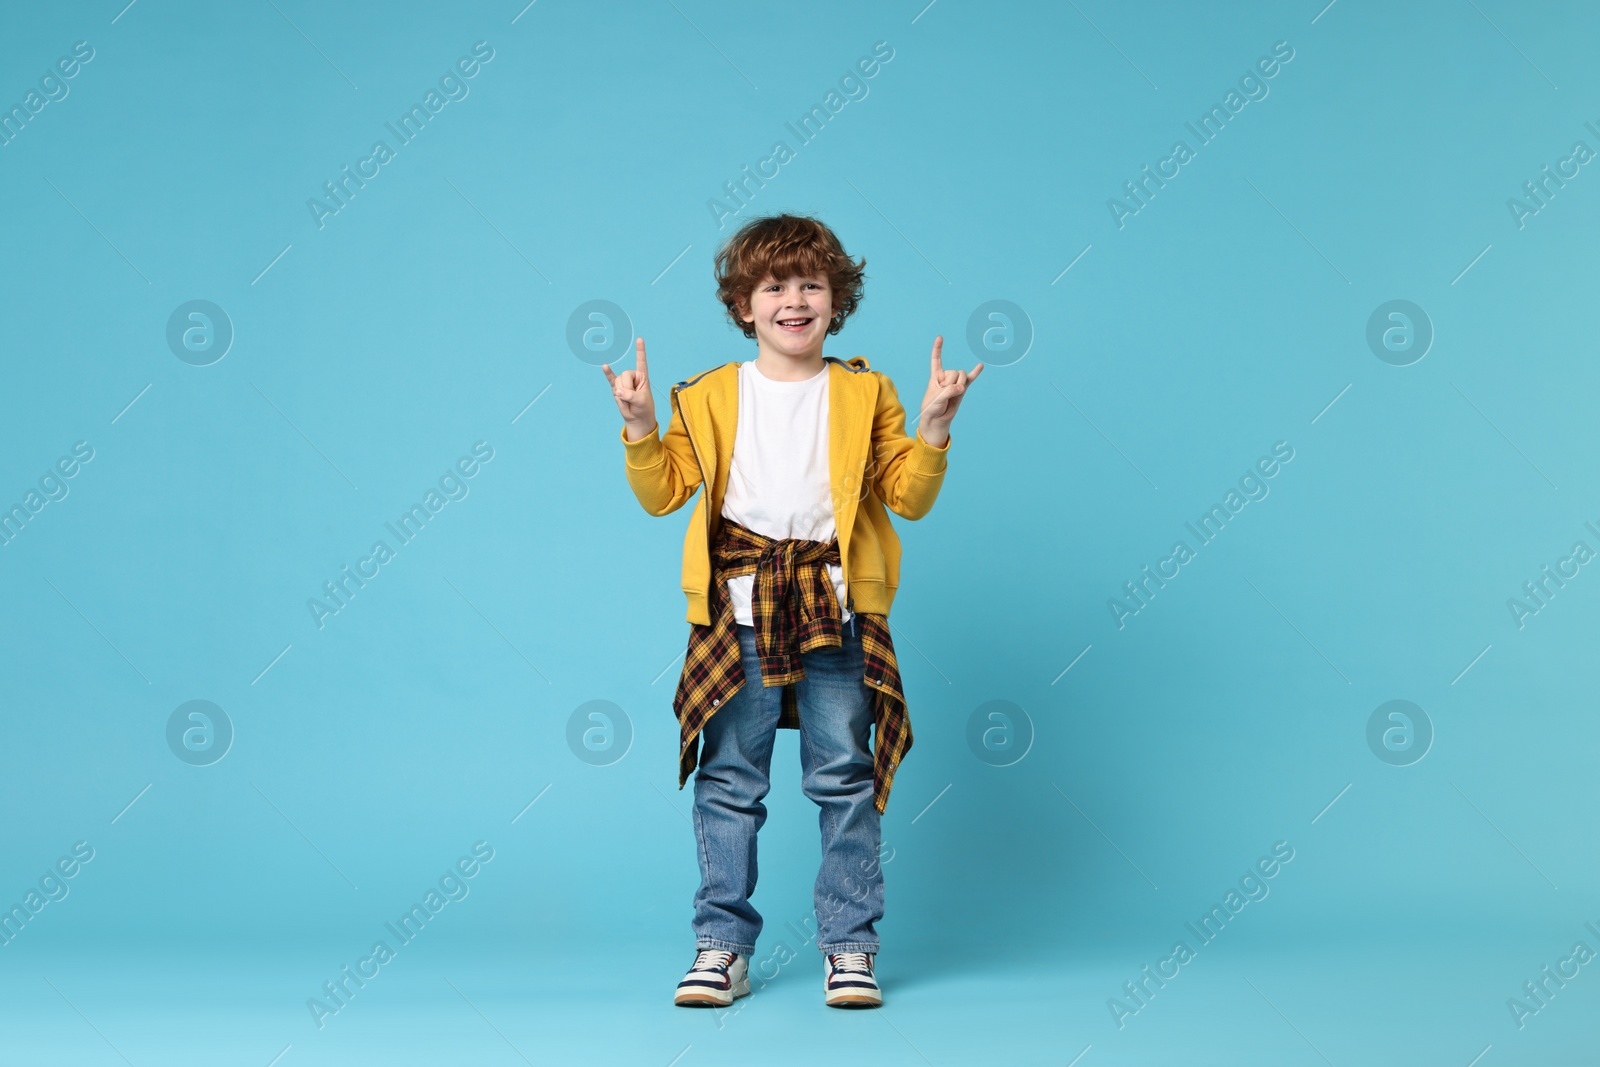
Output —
<point x="794" y="325"/>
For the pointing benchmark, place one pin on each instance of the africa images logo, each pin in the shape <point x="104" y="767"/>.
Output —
<point x="341" y="591"/>
<point x="452" y="87"/>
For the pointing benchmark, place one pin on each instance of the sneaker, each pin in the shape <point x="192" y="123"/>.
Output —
<point x="715" y="979"/>
<point x="850" y="983"/>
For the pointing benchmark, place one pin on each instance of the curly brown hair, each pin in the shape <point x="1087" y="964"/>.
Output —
<point x="782" y="246"/>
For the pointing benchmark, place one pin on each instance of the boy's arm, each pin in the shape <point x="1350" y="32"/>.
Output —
<point x="662" y="471"/>
<point x="905" y="471"/>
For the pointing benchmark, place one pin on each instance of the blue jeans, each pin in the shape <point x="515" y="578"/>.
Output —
<point x="836" y="716"/>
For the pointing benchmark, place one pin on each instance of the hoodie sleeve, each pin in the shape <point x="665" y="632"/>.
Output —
<point x="662" y="471"/>
<point x="905" y="472"/>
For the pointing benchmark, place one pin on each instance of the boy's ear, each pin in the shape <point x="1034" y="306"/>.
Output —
<point x="744" y="307"/>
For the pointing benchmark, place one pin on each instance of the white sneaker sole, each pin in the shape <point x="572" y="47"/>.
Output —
<point x="854" y="998"/>
<point x="710" y="996"/>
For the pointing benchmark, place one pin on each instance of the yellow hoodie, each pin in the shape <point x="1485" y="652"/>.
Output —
<point x="872" y="462"/>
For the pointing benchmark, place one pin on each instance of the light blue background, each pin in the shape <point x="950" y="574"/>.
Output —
<point x="431" y="313"/>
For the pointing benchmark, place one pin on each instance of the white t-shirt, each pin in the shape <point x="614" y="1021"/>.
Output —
<point x="778" y="483"/>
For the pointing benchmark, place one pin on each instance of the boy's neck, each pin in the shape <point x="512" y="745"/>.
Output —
<point x="782" y="367"/>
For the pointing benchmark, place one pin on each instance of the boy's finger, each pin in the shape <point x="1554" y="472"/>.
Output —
<point x="938" y="362"/>
<point x="972" y="375"/>
<point x="638" y="355"/>
<point x="610" y="376"/>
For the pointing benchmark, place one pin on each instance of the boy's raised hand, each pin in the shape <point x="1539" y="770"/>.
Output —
<point x="945" y="390"/>
<point x="631" y="390"/>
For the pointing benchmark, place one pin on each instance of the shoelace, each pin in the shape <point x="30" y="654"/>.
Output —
<point x="855" y="962"/>
<point x="712" y="959"/>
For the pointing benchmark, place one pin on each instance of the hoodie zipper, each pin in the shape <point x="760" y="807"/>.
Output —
<point x="704" y="481"/>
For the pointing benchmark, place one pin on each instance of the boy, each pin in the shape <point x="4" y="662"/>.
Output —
<point x="789" y="569"/>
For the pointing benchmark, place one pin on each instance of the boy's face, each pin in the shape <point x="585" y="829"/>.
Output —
<point x="791" y="317"/>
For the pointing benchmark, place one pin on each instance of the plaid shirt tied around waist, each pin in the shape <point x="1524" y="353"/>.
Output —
<point x="794" y="609"/>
